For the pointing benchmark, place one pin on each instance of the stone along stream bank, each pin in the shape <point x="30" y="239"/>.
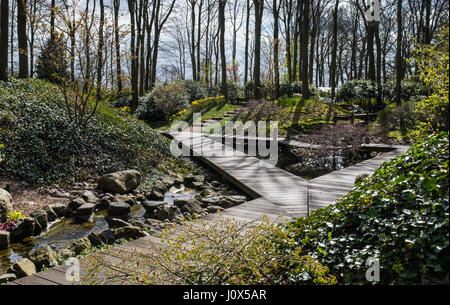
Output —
<point x="110" y="211"/>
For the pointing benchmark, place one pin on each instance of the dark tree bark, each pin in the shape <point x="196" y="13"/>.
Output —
<point x="4" y="25"/>
<point x="259" y="7"/>
<point x="398" y="57"/>
<point x="247" y="24"/>
<point x="116" y="5"/>
<point x="52" y="20"/>
<point x="100" y="51"/>
<point x="222" y="4"/>
<point x="134" y="70"/>
<point x="22" y="38"/>
<point x="275" y="12"/>
<point x="304" y="50"/>
<point x="334" y="51"/>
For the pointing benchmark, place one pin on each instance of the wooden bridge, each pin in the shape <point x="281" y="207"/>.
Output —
<point x="275" y="191"/>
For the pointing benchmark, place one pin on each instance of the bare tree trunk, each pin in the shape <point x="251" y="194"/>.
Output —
<point x="222" y="4"/>
<point x="100" y="51"/>
<point x="52" y="21"/>
<point x="117" y="45"/>
<point x="247" y="23"/>
<point x="4" y="19"/>
<point x="259" y="7"/>
<point x="398" y="57"/>
<point x="134" y="76"/>
<point x="334" y="51"/>
<point x="275" y="12"/>
<point x="304" y="51"/>
<point x="22" y="38"/>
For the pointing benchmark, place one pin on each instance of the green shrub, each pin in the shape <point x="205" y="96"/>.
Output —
<point x="195" y="89"/>
<point x="218" y="252"/>
<point x="399" y="215"/>
<point x="52" y="63"/>
<point x="148" y="110"/>
<point x="43" y="146"/>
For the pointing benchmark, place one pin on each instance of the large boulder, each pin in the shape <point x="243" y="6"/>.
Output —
<point x="51" y="215"/>
<point x="59" y="209"/>
<point x="163" y="212"/>
<point x="128" y="232"/>
<point x="150" y="206"/>
<point x="41" y="218"/>
<point x="120" y="182"/>
<point x="79" y="245"/>
<point x="124" y="198"/>
<point x="4" y="239"/>
<point x="23" y="267"/>
<point x="84" y="212"/>
<point x="119" y="210"/>
<point x="24" y="229"/>
<point x="6" y="206"/>
<point x="88" y="196"/>
<point x="43" y="257"/>
<point x="187" y="204"/>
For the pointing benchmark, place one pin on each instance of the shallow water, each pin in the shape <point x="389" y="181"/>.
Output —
<point x="62" y="231"/>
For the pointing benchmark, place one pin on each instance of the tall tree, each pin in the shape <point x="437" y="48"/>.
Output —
<point x="304" y="50"/>
<point x="334" y="51"/>
<point x="398" y="57"/>
<point x="247" y="25"/>
<point x="134" y="68"/>
<point x="22" y="37"/>
<point x="4" y="24"/>
<point x="222" y="4"/>
<point x="276" y="12"/>
<point x="259" y="8"/>
<point x="116" y="5"/>
<point x="100" y="51"/>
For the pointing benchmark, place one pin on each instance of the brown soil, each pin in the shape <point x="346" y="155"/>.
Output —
<point x="26" y="197"/>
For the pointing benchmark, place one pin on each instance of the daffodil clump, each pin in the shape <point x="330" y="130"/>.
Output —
<point x="196" y="106"/>
<point x="126" y="109"/>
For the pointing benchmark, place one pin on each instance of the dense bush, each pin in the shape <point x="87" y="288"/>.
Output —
<point x="163" y="101"/>
<point x="234" y="90"/>
<point x="42" y="145"/>
<point x="216" y="253"/>
<point x="399" y="215"/>
<point x="195" y="89"/>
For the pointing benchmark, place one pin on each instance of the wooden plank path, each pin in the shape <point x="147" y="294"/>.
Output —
<point x="277" y="194"/>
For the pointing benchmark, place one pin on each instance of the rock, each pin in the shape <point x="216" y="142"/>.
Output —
<point x="102" y="204"/>
<point x="59" y="209"/>
<point x="119" y="210"/>
<point x="88" y="196"/>
<point x="4" y="239"/>
<point x="160" y="187"/>
<point x="210" y="200"/>
<point x="117" y="223"/>
<point x="23" y="267"/>
<point x="168" y="181"/>
<point x="58" y="194"/>
<point x="155" y="195"/>
<point x="24" y="229"/>
<point x="84" y="212"/>
<point x="7" y="277"/>
<point x="138" y="223"/>
<point x="79" y="245"/>
<point x="41" y="217"/>
<point x="124" y="198"/>
<point x="163" y="212"/>
<point x="197" y="185"/>
<point x="6" y="205"/>
<point x="215" y="183"/>
<point x="214" y="209"/>
<point x="140" y="198"/>
<point x="150" y="206"/>
<point x="66" y="253"/>
<point x="189" y="179"/>
<point x="51" y="215"/>
<point x="129" y="232"/>
<point x="76" y="203"/>
<point x="43" y="257"/>
<point x="187" y="204"/>
<point x="360" y="178"/>
<point x="37" y="228"/>
<point x="230" y="201"/>
<point x="107" y="236"/>
<point x="95" y="239"/>
<point x="120" y="182"/>
<point x="153" y="222"/>
<point x="236" y="199"/>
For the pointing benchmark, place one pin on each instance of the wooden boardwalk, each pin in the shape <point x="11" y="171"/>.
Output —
<point x="276" y="192"/>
